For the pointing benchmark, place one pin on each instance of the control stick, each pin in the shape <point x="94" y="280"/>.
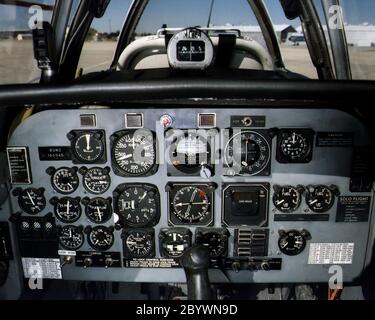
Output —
<point x="196" y="261"/>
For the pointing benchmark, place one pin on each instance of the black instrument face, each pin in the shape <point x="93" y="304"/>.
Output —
<point x="71" y="237"/>
<point x="101" y="238"/>
<point x="295" y="146"/>
<point x="65" y="180"/>
<point x="287" y="199"/>
<point x="191" y="51"/>
<point x="133" y="153"/>
<point x="216" y="240"/>
<point x="320" y="198"/>
<point x="32" y="200"/>
<point x="191" y="204"/>
<point x="97" y="180"/>
<point x="292" y="242"/>
<point x="88" y="147"/>
<point x="138" y="205"/>
<point x="139" y="243"/>
<point x="174" y="242"/>
<point x="246" y="204"/>
<point x="98" y="210"/>
<point x="247" y="153"/>
<point x="67" y="210"/>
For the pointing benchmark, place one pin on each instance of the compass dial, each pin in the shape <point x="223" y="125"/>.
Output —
<point x="67" y="210"/>
<point x="133" y="153"/>
<point x="101" y="238"/>
<point x="287" y="198"/>
<point x="247" y="153"/>
<point x="98" y="210"/>
<point x="191" y="204"/>
<point x="139" y="243"/>
<point x="138" y="205"/>
<point x="96" y="180"/>
<point x="32" y="200"/>
<point x="320" y="198"/>
<point x="88" y="147"/>
<point x="65" y="180"/>
<point x="71" y="237"/>
<point x="292" y="242"/>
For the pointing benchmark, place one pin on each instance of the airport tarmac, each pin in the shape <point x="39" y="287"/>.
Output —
<point x="17" y="64"/>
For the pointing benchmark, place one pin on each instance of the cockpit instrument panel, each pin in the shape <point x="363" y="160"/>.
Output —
<point x="266" y="190"/>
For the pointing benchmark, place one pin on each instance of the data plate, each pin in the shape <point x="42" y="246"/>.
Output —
<point x="335" y="139"/>
<point x="19" y="166"/>
<point x="55" y="153"/>
<point x="353" y="209"/>
<point x="151" y="263"/>
<point x="331" y="253"/>
<point x="40" y="268"/>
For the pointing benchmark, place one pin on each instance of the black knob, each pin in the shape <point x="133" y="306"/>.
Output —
<point x="196" y="261"/>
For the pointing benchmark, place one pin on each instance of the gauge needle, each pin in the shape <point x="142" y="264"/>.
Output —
<point x="99" y="214"/>
<point x="88" y="138"/>
<point x="284" y="245"/>
<point x="31" y="199"/>
<point x="125" y="157"/>
<point x="280" y="202"/>
<point x="68" y="208"/>
<point x="294" y="138"/>
<point x="143" y="197"/>
<point x="247" y="151"/>
<point x="133" y="143"/>
<point x="313" y="202"/>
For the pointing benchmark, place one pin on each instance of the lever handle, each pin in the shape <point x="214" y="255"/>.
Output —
<point x="196" y="261"/>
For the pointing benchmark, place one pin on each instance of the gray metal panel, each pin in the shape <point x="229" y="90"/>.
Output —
<point x="329" y="166"/>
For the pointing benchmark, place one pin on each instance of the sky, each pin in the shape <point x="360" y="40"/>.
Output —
<point x="182" y="13"/>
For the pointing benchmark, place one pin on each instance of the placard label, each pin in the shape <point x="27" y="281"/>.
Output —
<point x="331" y="253"/>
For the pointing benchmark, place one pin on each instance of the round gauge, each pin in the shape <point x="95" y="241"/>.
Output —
<point x="98" y="210"/>
<point x="138" y="205"/>
<point x="320" y="199"/>
<point x="191" y="204"/>
<point x="295" y="146"/>
<point x="65" y="180"/>
<point x="67" y="210"/>
<point x="88" y="147"/>
<point x="191" y="151"/>
<point x="133" y="153"/>
<point x="292" y="242"/>
<point x="287" y="199"/>
<point x="32" y="201"/>
<point x="97" y="180"/>
<point x="174" y="242"/>
<point x="215" y="241"/>
<point x="101" y="238"/>
<point x="248" y="152"/>
<point x="71" y="237"/>
<point x="139" y="243"/>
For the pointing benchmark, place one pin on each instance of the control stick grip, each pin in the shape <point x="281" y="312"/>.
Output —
<point x="196" y="261"/>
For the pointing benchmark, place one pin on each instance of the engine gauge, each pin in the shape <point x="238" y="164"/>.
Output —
<point x="100" y="238"/>
<point x="134" y="153"/>
<point x="295" y="145"/>
<point x="248" y="153"/>
<point x="96" y="180"/>
<point x="98" y="210"/>
<point x="138" y="205"/>
<point x="64" y="180"/>
<point x="71" y="237"/>
<point x="320" y="198"/>
<point x="287" y="199"/>
<point x="67" y="210"/>
<point x="191" y="203"/>
<point x="139" y="243"/>
<point x="88" y="146"/>
<point x="31" y="201"/>
<point x="293" y="242"/>
<point x="216" y="240"/>
<point x="173" y="242"/>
